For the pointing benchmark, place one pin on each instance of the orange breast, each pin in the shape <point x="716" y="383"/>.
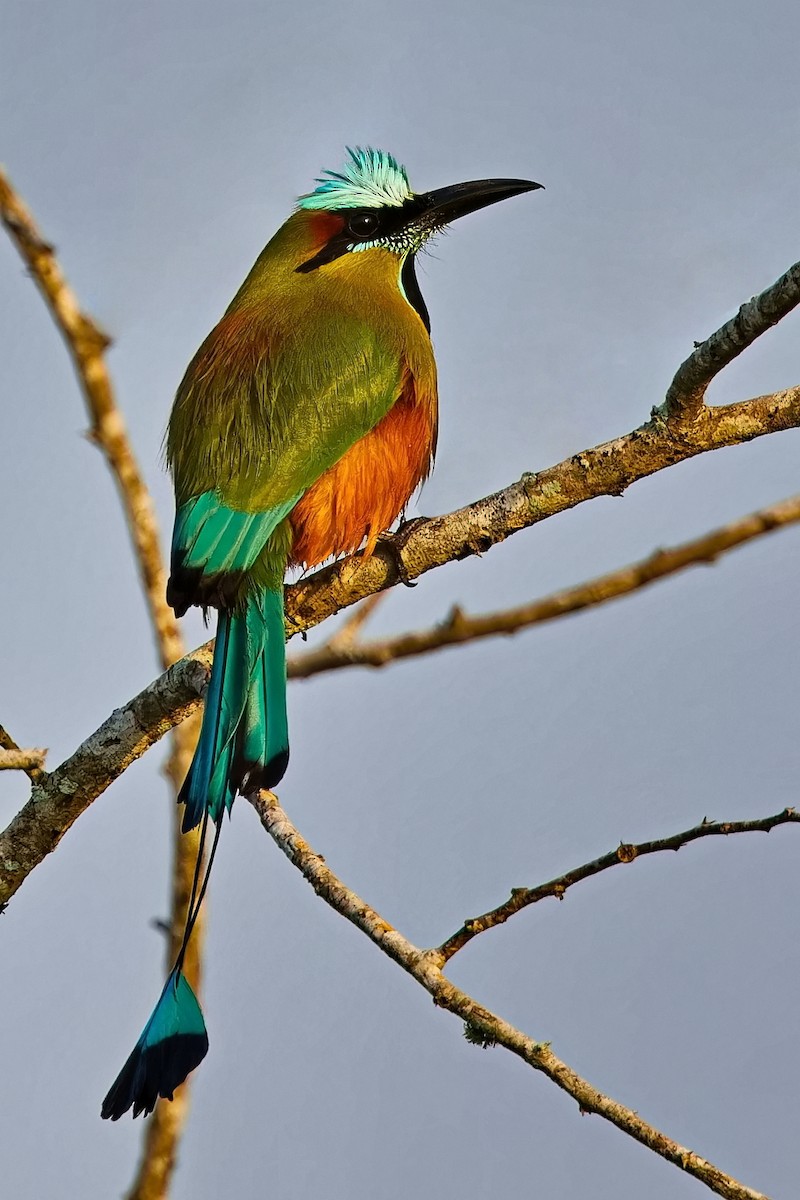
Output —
<point x="367" y="489"/>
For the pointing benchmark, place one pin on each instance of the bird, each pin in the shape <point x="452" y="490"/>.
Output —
<point x="301" y="428"/>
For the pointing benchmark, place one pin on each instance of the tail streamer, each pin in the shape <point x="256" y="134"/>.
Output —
<point x="243" y="745"/>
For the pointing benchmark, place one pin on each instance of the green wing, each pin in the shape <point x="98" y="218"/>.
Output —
<point x="259" y="418"/>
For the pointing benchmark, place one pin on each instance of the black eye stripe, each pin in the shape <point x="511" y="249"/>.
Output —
<point x="386" y="222"/>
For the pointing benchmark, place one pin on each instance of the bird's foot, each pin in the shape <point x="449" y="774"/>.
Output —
<point x="396" y="543"/>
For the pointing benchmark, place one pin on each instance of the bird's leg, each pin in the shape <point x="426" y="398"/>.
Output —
<point x="396" y="542"/>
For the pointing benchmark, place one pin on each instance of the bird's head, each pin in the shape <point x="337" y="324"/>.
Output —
<point x="369" y="205"/>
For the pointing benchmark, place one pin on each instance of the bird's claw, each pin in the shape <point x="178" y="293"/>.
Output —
<point x="396" y="543"/>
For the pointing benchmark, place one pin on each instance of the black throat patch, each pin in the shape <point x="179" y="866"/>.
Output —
<point x="408" y="278"/>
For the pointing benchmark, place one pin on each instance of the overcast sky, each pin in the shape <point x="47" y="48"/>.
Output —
<point x="160" y="145"/>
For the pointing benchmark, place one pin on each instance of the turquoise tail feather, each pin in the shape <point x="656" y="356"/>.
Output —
<point x="243" y="743"/>
<point x="173" y="1042"/>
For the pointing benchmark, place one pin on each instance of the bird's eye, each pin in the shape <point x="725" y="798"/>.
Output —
<point x="363" y="224"/>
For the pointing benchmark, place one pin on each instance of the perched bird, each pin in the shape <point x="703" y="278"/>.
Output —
<point x="301" y="429"/>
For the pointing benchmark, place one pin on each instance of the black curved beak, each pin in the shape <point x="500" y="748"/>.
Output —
<point x="448" y="203"/>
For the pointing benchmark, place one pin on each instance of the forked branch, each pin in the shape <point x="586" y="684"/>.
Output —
<point x="687" y="392"/>
<point x="425" y="966"/>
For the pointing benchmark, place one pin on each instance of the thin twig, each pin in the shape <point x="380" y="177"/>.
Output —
<point x="686" y="394"/>
<point x="459" y="627"/>
<point x="87" y="344"/>
<point x="34" y="770"/>
<point x="347" y="633"/>
<point x="481" y="1024"/>
<point x="625" y="853"/>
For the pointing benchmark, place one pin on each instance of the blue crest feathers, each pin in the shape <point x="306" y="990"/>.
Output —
<point x="369" y="179"/>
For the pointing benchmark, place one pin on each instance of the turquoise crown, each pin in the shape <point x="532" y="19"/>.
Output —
<point x="369" y="179"/>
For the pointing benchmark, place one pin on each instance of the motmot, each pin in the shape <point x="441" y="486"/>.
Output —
<point x="301" y="429"/>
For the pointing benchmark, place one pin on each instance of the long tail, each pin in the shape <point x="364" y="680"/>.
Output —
<point x="243" y="745"/>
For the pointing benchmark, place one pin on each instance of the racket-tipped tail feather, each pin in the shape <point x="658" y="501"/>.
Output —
<point x="173" y="1042"/>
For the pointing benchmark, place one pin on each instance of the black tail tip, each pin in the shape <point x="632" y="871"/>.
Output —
<point x="193" y="811"/>
<point x="153" y="1071"/>
<point x="255" y="776"/>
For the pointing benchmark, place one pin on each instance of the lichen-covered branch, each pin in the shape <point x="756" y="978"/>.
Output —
<point x="425" y="966"/>
<point x="522" y="897"/>
<point x="87" y="344"/>
<point x="345" y="649"/>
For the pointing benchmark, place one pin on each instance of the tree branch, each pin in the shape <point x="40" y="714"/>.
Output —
<point x="345" y="650"/>
<point x="33" y="766"/>
<point x="482" y="1025"/>
<point x="605" y="470"/>
<point x="87" y="344"/>
<point x="625" y="853"/>
<point x="686" y="394"/>
<point x="60" y="797"/>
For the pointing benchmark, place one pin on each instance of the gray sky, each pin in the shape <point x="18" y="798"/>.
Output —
<point x="160" y="145"/>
